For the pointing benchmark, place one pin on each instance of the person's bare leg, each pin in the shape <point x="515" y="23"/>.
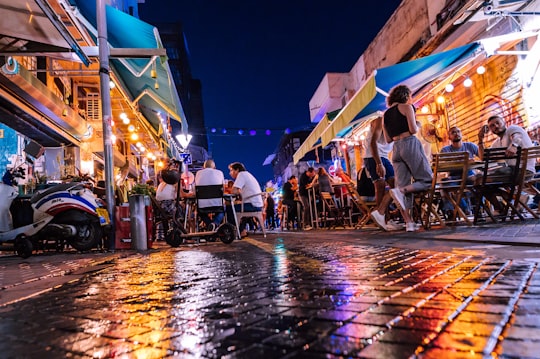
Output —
<point x="380" y="189"/>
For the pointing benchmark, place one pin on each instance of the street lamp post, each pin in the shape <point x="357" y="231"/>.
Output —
<point x="106" y="111"/>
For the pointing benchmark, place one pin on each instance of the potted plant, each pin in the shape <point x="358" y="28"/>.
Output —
<point x="142" y="189"/>
<point x="41" y="180"/>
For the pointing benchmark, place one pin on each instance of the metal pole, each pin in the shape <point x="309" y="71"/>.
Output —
<point x="106" y="112"/>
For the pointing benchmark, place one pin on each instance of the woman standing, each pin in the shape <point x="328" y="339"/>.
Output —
<point x="324" y="180"/>
<point x="408" y="157"/>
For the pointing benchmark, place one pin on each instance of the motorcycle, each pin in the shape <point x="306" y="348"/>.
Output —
<point x="66" y="212"/>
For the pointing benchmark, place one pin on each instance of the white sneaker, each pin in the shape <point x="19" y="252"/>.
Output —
<point x="398" y="197"/>
<point x="411" y="227"/>
<point x="379" y="219"/>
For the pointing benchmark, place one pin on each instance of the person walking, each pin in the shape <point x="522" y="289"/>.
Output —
<point x="408" y="156"/>
<point x="381" y="171"/>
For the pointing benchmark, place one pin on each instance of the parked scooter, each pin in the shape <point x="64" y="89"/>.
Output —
<point x="66" y="213"/>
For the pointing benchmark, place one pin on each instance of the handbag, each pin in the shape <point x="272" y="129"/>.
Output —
<point x="364" y="184"/>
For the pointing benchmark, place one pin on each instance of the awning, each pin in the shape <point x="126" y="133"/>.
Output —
<point x="314" y="137"/>
<point x="30" y="28"/>
<point x="148" y="81"/>
<point x="415" y="74"/>
<point x="268" y="160"/>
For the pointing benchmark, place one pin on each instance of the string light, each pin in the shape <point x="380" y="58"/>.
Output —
<point x="231" y="131"/>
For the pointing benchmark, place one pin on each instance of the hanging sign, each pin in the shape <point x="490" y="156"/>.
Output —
<point x="186" y="158"/>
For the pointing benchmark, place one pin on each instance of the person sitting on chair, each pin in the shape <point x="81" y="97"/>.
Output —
<point x="246" y="185"/>
<point x="209" y="175"/>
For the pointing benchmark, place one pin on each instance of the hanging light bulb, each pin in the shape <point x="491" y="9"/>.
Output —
<point x="112" y="84"/>
<point x="480" y="70"/>
<point x="153" y="72"/>
<point x="440" y="99"/>
<point x="156" y="85"/>
<point x="425" y="109"/>
<point x="467" y="82"/>
<point x="131" y="128"/>
<point x="449" y="88"/>
<point x="134" y="136"/>
<point x="113" y="138"/>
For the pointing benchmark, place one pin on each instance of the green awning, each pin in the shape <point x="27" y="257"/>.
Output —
<point x="135" y="74"/>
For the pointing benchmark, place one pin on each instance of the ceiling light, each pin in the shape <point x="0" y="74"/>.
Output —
<point x="449" y="88"/>
<point x="467" y="82"/>
<point x="480" y="70"/>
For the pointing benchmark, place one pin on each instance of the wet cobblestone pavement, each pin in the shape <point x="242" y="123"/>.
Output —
<point x="286" y="298"/>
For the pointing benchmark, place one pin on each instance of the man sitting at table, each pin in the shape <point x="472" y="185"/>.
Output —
<point x="246" y="185"/>
<point x="457" y="145"/>
<point x="209" y="175"/>
<point x="511" y="138"/>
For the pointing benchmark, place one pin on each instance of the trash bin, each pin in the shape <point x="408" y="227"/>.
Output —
<point x="137" y="215"/>
<point x="122" y="223"/>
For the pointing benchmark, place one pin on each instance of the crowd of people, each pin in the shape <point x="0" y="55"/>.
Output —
<point x="394" y="167"/>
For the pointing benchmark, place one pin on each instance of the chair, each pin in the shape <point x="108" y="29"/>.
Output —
<point x="497" y="183"/>
<point x="364" y="207"/>
<point x="209" y="199"/>
<point x="239" y="215"/>
<point x="332" y="213"/>
<point x="528" y="182"/>
<point x="451" y="188"/>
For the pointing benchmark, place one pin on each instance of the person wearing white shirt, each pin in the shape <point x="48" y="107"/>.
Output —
<point x="246" y="185"/>
<point x="209" y="175"/>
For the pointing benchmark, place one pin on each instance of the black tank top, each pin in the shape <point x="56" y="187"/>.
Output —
<point x="395" y="122"/>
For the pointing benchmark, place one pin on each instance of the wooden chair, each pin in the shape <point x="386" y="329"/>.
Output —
<point x="497" y="183"/>
<point x="333" y="215"/>
<point x="447" y="187"/>
<point x="527" y="182"/>
<point x="363" y="206"/>
<point x="239" y="215"/>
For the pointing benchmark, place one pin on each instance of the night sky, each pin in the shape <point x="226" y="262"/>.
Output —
<point x="260" y="63"/>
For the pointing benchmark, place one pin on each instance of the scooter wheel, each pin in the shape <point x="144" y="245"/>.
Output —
<point x="174" y="239"/>
<point x="23" y="247"/>
<point x="226" y="233"/>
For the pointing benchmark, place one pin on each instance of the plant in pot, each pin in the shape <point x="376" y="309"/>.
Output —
<point x="143" y="189"/>
<point x="41" y="180"/>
